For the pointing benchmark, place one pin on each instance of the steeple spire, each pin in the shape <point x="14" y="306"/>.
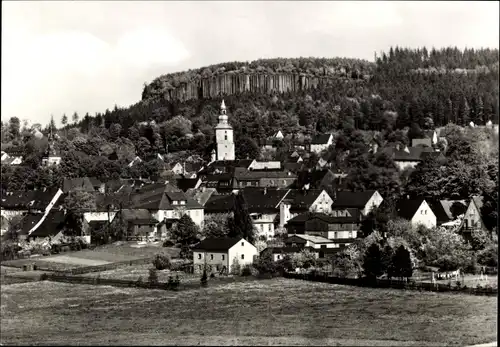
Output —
<point x="223" y="107"/>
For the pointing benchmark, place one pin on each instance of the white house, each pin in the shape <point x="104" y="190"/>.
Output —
<point x="364" y="201"/>
<point x="321" y="142"/>
<point x="222" y="255"/>
<point x="312" y="241"/>
<point x="264" y="165"/>
<point x="417" y="211"/>
<point x="300" y="201"/>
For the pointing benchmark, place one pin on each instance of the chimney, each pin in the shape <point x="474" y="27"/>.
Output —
<point x="407" y="150"/>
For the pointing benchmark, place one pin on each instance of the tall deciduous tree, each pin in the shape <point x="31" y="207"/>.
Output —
<point x="401" y="263"/>
<point x="372" y="262"/>
<point x="186" y="232"/>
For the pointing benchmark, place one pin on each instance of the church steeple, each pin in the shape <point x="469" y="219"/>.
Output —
<point x="224" y="136"/>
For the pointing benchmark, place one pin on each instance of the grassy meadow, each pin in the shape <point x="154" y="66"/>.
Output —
<point x="269" y="312"/>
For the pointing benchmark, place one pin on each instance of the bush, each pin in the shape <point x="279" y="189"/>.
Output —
<point x="246" y="271"/>
<point x="204" y="280"/>
<point x="212" y="275"/>
<point x="168" y="243"/>
<point x="65" y="248"/>
<point x="153" y="276"/>
<point x="162" y="262"/>
<point x="44" y="277"/>
<point x="55" y="249"/>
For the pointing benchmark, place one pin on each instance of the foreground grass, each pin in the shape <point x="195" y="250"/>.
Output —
<point x="278" y="312"/>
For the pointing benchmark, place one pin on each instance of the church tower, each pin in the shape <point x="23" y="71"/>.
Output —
<point x="224" y="136"/>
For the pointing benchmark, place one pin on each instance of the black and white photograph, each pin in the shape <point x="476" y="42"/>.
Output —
<point x="249" y="173"/>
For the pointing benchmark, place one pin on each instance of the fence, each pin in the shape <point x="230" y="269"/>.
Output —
<point x="395" y="284"/>
<point x="109" y="282"/>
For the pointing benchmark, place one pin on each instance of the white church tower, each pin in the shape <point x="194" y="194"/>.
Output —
<point x="224" y="136"/>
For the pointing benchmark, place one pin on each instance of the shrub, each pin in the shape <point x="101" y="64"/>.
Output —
<point x="162" y="262"/>
<point x="168" y="243"/>
<point x="153" y="276"/>
<point x="44" y="277"/>
<point x="55" y="249"/>
<point x="204" y="281"/>
<point x="236" y="267"/>
<point x="246" y="271"/>
<point x="65" y="248"/>
<point x="212" y="275"/>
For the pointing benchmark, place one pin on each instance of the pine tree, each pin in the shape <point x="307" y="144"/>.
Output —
<point x="241" y="224"/>
<point x="464" y="112"/>
<point x="480" y="111"/>
<point x="64" y="120"/>
<point x="372" y="262"/>
<point x="75" y="117"/>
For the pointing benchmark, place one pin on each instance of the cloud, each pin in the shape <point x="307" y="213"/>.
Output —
<point x="84" y="56"/>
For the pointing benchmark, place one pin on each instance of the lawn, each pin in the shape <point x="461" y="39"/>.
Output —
<point x="266" y="312"/>
<point x="98" y="256"/>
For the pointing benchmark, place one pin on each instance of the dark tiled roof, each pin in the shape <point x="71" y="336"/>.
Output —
<point x="406" y="208"/>
<point x="305" y="217"/>
<point x="131" y="215"/>
<point x="256" y="200"/>
<point x="447" y="204"/>
<point x="227" y="165"/>
<point x="159" y="199"/>
<point x="302" y="199"/>
<point x="293" y="167"/>
<point x="321" y="139"/>
<point x="186" y="183"/>
<point x="439" y="211"/>
<point x="145" y="221"/>
<point x="201" y="196"/>
<point x="216" y="244"/>
<point x="36" y="199"/>
<point x="220" y="203"/>
<point x="244" y="174"/>
<point x="352" y="199"/>
<point x="284" y="250"/>
<point x="314" y="178"/>
<point x="77" y="184"/>
<point x="29" y="221"/>
<point x="114" y="200"/>
<point x="51" y="226"/>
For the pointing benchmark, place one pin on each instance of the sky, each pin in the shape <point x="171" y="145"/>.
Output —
<point x="85" y="56"/>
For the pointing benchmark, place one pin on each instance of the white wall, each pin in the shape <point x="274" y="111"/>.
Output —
<point x="99" y="216"/>
<point x="12" y="213"/>
<point x="424" y="216"/>
<point x="197" y="215"/>
<point x="285" y="215"/>
<point x="374" y="202"/>
<point x="219" y="258"/>
<point x="225" y="147"/>
<point x="332" y="235"/>
<point x="244" y="248"/>
<point x="406" y="164"/>
<point x="323" y="203"/>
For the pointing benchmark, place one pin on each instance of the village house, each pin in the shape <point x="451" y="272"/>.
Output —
<point x="166" y="202"/>
<point x="262" y="205"/>
<point x="321" y="142"/>
<point x="80" y="184"/>
<point x="417" y="211"/>
<point x="135" y="161"/>
<point x="472" y="219"/>
<point x="304" y="200"/>
<point x="279" y="253"/>
<point x="18" y="203"/>
<point x="429" y="139"/>
<point x="13" y="157"/>
<point x="185" y="184"/>
<point x="263" y="178"/>
<point x="408" y="157"/>
<point x="265" y="165"/>
<point x="342" y="226"/>
<point x="98" y="185"/>
<point x="222" y="255"/>
<point x="48" y="227"/>
<point x="201" y="195"/>
<point x="315" y="179"/>
<point x="140" y="224"/>
<point x="364" y="201"/>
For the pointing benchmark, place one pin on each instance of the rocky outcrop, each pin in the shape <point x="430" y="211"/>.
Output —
<point x="232" y="83"/>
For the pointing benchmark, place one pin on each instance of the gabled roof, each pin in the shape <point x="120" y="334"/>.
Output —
<point x="113" y="200"/>
<point x="311" y="238"/>
<point x="258" y="200"/>
<point x="186" y="183"/>
<point x="51" y="226"/>
<point x="77" y="184"/>
<point x="35" y="199"/>
<point x="216" y="244"/>
<point x="406" y="208"/>
<point x="438" y="210"/>
<point x="226" y="165"/>
<point x="353" y="217"/>
<point x="313" y="178"/>
<point x="321" y="139"/>
<point x="220" y="203"/>
<point x="293" y="167"/>
<point x="302" y="199"/>
<point x="352" y="199"/>
<point x="159" y="199"/>
<point x="201" y="196"/>
<point x="244" y="174"/>
<point x="447" y="204"/>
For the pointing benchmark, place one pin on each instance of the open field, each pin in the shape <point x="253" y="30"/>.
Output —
<point x="99" y="256"/>
<point x="270" y="312"/>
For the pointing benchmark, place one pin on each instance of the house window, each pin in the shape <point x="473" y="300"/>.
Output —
<point x="183" y="202"/>
<point x="223" y="257"/>
<point x="242" y="256"/>
<point x="422" y="212"/>
<point x="279" y="256"/>
<point x="243" y="243"/>
<point x="175" y="202"/>
<point x="211" y="257"/>
<point x="225" y="137"/>
<point x="199" y="255"/>
<point x="471" y="212"/>
<point x="425" y="212"/>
